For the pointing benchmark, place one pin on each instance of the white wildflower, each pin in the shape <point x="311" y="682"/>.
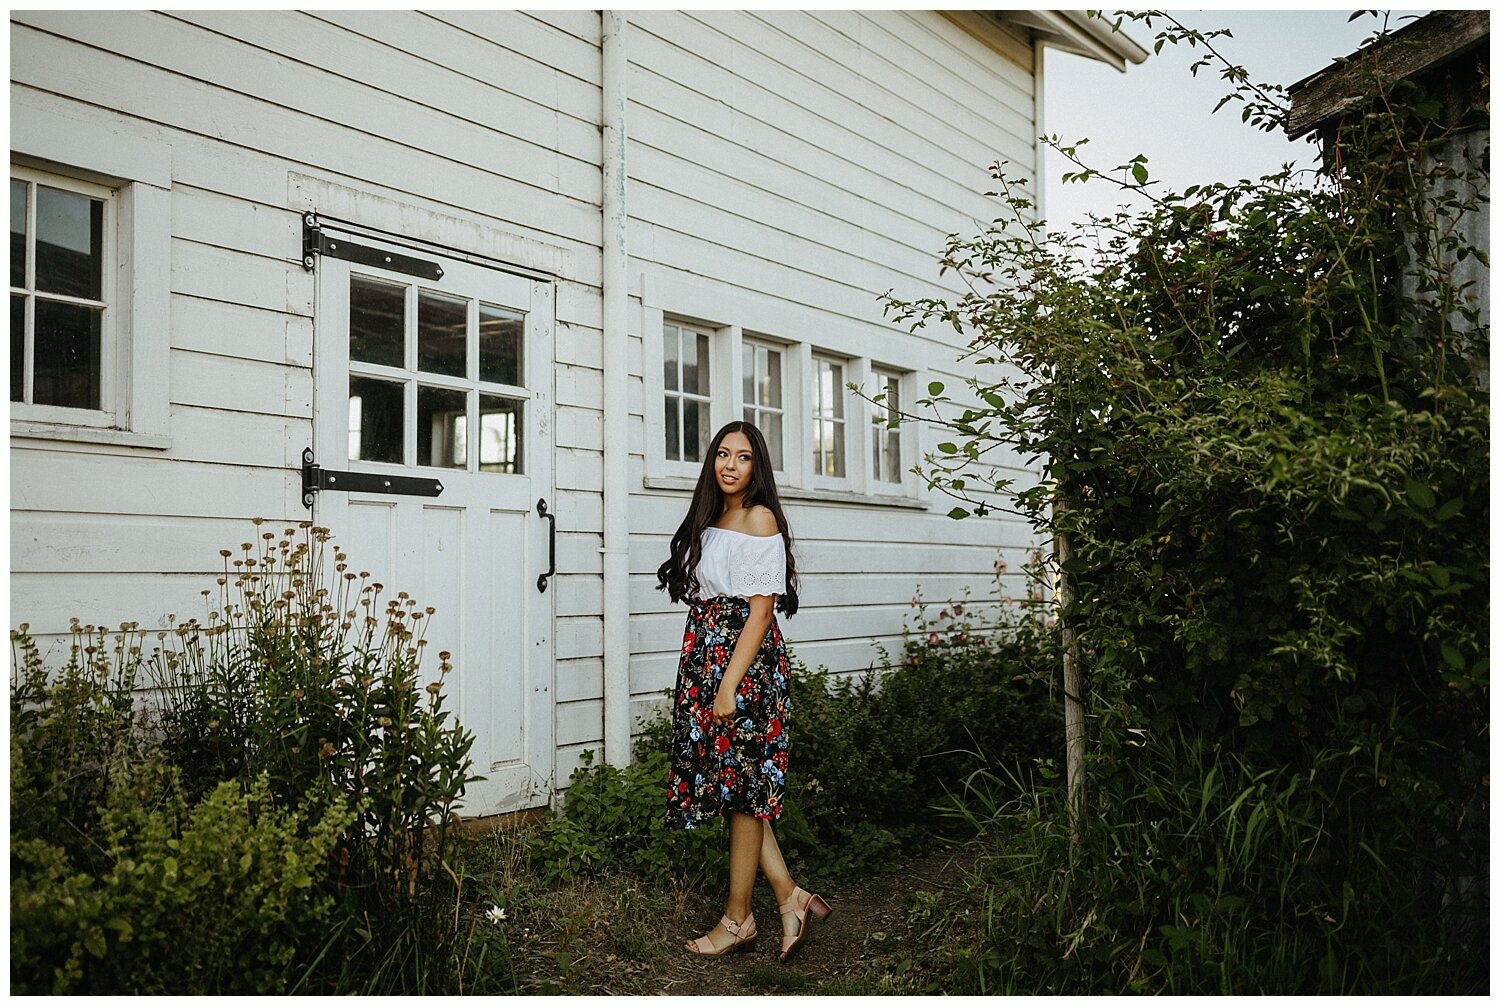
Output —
<point x="496" y="914"/>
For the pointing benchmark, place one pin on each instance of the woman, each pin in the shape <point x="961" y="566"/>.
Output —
<point x="732" y="560"/>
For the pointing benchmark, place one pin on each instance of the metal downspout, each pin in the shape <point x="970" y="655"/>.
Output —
<point x="616" y="550"/>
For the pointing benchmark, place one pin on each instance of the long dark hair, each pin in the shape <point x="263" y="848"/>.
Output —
<point x="678" y="576"/>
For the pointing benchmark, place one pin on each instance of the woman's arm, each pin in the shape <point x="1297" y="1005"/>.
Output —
<point x="762" y="608"/>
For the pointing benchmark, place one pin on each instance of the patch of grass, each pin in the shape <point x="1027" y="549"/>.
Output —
<point x="764" y="978"/>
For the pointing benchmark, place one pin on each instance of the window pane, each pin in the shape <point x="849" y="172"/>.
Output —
<point x="500" y="434"/>
<point x="501" y="345"/>
<point x="69" y="243"/>
<point x="442" y="334"/>
<point x="747" y="376"/>
<point x="377" y="420"/>
<point x="690" y="363"/>
<point x="65" y="355"/>
<point x="377" y="322"/>
<point x="892" y="456"/>
<point x="837" y="390"/>
<point x="674" y="430"/>
<point x="770" y="378"/>
<point x="669" y="348"/>
<point x="442" y="428"/>
<point x="694" y="432"/>
<point x="701" y="353"/>
<point x="770" y="425"/>
<point x="834" y="438"/>
<point x="17" y="233"/>
<point x="817" y="428"/>
<point x="18" y="349"/>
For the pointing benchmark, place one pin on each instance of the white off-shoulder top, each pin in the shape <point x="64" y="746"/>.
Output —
<point x="733" y="564"/>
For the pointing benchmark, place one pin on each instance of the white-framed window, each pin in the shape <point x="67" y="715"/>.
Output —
<point x="91" y="259"/>
<point x="733" y="354"/>
<point x="886" y="469"/>
<point x="762" y="393"/>
<point x="687" y="396"/>
<point x="62" y="310"/>
<point x="829" y="436"/>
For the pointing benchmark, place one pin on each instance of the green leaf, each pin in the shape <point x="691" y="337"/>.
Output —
<point x="1138" y="171"/>
<point x="948" y="447"/>
<point x="958" y="513"/>
<point x="1420" y="494"/>
<point x="1453" y="657"/>
<point x="1449" y="509"/>
<point x="935" y="388"/>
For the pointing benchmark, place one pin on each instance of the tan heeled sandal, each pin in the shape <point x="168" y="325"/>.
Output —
<point x="814" y="907"/>
<point x="744" y="934"/>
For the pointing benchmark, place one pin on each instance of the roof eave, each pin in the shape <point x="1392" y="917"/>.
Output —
<point x="1076" y="32"/>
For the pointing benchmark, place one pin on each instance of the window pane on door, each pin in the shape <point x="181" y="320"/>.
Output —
<point x="442" y="334"/>
<point x="377" y="322"/>
<point x="500" y="434"/>
<point x="377" y="420"/>
<point x="17" y="232"/>
<point x="69" y="243"/>
<point x="442" y="428"/>
<point x="501" y="345"/>
<point x="65" y="355"/>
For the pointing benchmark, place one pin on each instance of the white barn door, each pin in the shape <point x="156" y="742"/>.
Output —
<point x="450" y="379"/>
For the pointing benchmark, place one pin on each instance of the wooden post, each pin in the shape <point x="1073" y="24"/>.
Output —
<point x="1072" y="679"/>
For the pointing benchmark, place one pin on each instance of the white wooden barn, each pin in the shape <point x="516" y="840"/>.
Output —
<point x="581" y="240"/>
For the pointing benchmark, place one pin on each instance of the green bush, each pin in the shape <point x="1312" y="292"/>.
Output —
<point x="288" y="759"/>
<point x="870" y="757"/>
<point x="219" y="896"/>
<point x="1262" y="411"/>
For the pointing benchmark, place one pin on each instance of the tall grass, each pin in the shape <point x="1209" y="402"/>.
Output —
<point x="1200" y="872"/>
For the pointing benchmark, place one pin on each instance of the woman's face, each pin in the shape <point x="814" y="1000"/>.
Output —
<point x="733" y="464"/>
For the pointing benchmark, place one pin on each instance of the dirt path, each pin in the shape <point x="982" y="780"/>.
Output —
<point x="897" y="933"/>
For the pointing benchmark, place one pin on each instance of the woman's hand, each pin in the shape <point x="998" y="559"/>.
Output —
<point x="724" y="706"/>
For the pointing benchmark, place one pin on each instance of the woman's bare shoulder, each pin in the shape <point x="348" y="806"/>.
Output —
<point x="760" y="521"/>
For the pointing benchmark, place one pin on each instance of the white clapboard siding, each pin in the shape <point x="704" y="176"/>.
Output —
<point x="510" y="100"/>
<point x="300" y="138"/>
<point x="156" y="40"/>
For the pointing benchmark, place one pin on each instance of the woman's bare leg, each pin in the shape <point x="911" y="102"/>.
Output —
<point x="745" y="840"/>
<point x="774" y="866"/>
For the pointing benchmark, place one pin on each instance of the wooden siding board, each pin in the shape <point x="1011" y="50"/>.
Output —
<point x="259" y="441"/>
<point x="136" y="484"/>
<point x="223" y="274"/>
<point x="90" y="543"/>
<point x="549" y="44"/>
<point x="211" y="326"/>
<point x="236" y="385"/>
<point x="583" y="25"/>
<point x="226" y="221"/>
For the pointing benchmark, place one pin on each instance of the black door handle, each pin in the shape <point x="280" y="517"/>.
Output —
<point x="541" y="581"/>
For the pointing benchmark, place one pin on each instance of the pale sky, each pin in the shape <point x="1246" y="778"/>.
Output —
<point x="1156" y="108"/>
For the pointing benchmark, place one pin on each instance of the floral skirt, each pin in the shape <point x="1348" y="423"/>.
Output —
<point x="741" y="767"/>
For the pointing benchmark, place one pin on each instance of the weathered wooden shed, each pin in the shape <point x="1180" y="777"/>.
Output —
<point x="536" y="257"/>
